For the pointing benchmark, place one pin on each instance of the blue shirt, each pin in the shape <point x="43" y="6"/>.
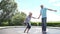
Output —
<point x="43" y="12"/>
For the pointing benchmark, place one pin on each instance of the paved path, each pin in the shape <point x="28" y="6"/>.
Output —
<point x="34" y="30"/>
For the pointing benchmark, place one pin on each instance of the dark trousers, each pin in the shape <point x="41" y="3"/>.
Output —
<point x="44" y="24"/>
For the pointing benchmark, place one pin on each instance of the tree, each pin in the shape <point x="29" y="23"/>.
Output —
<point x="8" y="8"/>
<point x="18" y="18"/>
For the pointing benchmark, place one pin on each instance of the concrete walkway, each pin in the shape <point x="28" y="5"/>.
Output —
<point x="34" y="30"/>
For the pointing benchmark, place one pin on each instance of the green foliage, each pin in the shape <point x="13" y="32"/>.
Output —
<point x="8" y="8"/>
<point x="9" y="14"/>
<point x="18" y="18"/>
<point x="5" y="23"/>
<point x="54" y="24"/>
<point x="34" y="24"/>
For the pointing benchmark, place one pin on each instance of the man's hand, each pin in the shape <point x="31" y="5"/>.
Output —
<point x="52" y="10"/>
<point x="38" y="17"/>
<point x="55" y="10"/>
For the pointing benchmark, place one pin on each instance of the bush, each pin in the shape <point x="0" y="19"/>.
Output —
<point x="32" y="23"/>
<point x="48" y="24"/>
<point x="53" y="24"/>
<point x="4" y="24"/>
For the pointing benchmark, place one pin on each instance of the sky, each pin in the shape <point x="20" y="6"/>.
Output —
<point x="33" y="6"/>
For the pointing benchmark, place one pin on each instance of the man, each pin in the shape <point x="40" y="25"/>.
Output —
<point x="44" y="17"/>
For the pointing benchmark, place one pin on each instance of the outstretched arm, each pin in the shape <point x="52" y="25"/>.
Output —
<point x="39" y="16"/>
<point x="34" y="17"/>
<point x="52" y="10"/>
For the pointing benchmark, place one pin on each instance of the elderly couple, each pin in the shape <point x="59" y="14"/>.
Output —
<point x="44" y="18"/>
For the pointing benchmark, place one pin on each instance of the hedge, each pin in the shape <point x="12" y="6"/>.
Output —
<point x="48" y="24"/>
<point x="54" y="24"/>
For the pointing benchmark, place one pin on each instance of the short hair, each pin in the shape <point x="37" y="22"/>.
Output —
<point x="30" y="13"/>
<point x="41" y="5"/>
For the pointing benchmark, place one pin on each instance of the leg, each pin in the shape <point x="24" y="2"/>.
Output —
<point x="29" y="26"/>
<point x="43" y="24"/>
<point x="44" y="32"/>
<point x="25" y="30"/>
<point x="28" y="30"/>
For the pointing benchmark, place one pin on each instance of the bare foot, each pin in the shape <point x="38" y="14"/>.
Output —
<point x="27" y="31"/>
